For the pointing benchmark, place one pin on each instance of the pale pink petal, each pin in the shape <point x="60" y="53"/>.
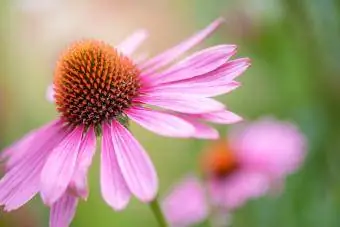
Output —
<point x="212" y="83"/>
<point x="182" y="103"/>
<point x="199" y="63"/>
<point x="140" y="58"/>
<point x="194" y="89"/>
<point x="87" y="149"/>
<point x="130" y="44"/>
<point x="16" y="152"/>
<point x="268" y="145"/>
<point x="63" y="211"/>
<point x="60" y="166"/>
<point x="50" y="93"/>
<point x="202" y="131"/>
<point x="226" y="73"/>
<point x="161" y="123"/>
<point x="235" y="190"/>
<point x="186" y="204"/>
<point x="135" y="164"/>
<point x="220" y="117"/>
<point x="113" y="186"/>
<point x="168" y="56"/>
<point x="21" y="182"/>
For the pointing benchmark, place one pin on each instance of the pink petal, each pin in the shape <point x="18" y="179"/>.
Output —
<point x="212" y="83"/>
<point x="15" y="152"/>
<point x="202" y="131"/>
<point x="199" y="63"/>
<point x="140" y="58"/>
<point x="136" y="166"/>
<point x="182" y="103"/>
<point x="186" y="204"/>
<point x="63" y="211"/>
<point x="23" y="191"/>
<point x="130" y="44"/>
<point x="238" y="188"/>
<point x="84" y="160"/>
<point x="271" y="146"/>
<point x="198" y="89"/>
<point x="226" y="73"/>
<point x="50" y="93"/>
<point x="60" y="166"/>
<point x="113" y="186"/>
<point x="161" y="123"/>
<point x="21" y="182"/>
<point x="219" y="117"/>
<point x="168" y="56"/>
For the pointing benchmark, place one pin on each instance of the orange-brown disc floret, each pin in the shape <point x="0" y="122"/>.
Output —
<point x="219" y="160"/>
<point x="94" y="83"/>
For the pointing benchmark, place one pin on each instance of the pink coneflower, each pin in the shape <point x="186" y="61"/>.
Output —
<point x="97" y="89"/>
<point x="253" y="161"/>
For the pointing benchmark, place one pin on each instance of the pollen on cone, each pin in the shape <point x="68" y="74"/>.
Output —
<point x="94" y="83"/>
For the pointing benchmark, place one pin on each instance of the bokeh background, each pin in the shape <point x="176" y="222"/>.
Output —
<point x="295" y="50"/>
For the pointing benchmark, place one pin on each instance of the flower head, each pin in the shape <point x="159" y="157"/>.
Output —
<point x="94" y="83"/>
<point x="252" y="161"/>
<point x="97" y="89"/>
<point x="255" y="159"/>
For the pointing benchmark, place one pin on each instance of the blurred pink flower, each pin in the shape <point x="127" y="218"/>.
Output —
<point x="186" y="204"/>
<point x="254" y="160"/>
<point x="257" y="159"/>
<point x="97" y="89"/>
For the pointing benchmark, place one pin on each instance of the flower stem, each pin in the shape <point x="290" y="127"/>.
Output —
<point x="157" y="211"/>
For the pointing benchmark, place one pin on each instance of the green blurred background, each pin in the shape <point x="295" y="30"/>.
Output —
<point x="294" y="46"/>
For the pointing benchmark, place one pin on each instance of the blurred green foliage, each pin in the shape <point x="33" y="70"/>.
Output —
<point x="294" y="46"/>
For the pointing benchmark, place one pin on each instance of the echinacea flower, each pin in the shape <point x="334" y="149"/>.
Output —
<point x="97" y="89"/>
<point x="251" y="162"/>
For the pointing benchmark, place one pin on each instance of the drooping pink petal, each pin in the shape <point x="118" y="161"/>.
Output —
<point x="18" y="147"/>
<point x="87" y="149"/>
<point x="168" y="56"/>
<point x="63" y="211"/>
<point x="113" y="186"/>
<point x="50" y="93"/>
<point x="16" y="152"/>
<point x="235" y="190"/>
<point x="135" y="164"/>
<point x="60" y="166"/>
<point x="182" y="103"/>
<point x="219" y="117"/>
<point x="161" y="123"/>
<point x="202" y="131"/>
<point x="21" y="182"/>
<point x="275" y="147"/>
<point x="186" y="204"/>
<point x="130" y="44"/>
<point x="199" y="63"/>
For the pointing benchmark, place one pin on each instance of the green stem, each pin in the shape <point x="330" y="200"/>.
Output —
<point x="157" y="211"/>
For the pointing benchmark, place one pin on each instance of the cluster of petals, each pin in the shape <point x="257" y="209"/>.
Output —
<point x="54" y="160"/>
<point x="267" y="151"/>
